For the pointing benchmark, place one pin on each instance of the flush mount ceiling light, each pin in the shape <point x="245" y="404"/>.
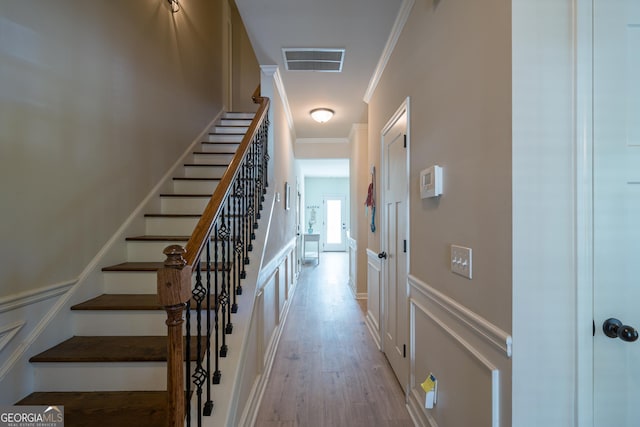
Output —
<point x="321" y="115"/>
<point x="174" y="5"/>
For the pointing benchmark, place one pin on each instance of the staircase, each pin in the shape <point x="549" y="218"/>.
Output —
<point x="114" y="371"/>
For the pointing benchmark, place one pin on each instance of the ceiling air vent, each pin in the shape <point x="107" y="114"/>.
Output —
<point x="305" y="59"/>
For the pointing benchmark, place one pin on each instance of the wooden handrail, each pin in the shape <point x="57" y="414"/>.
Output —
<point x="202" y="231"/>
<point x="174" y="279"/>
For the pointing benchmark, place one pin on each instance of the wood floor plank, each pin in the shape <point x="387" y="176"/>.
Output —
<point x="327" y="370"/>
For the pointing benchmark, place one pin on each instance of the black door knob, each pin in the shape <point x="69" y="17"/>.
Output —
<point x="613" y="328"/>
<point x="382" y="255"/>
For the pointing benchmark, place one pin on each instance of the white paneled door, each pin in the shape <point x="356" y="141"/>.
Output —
<point x="394" y="246"/>
<point x="616" y="212"/>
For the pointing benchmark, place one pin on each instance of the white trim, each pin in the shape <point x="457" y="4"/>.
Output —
<point x="372" y="323"/>
<point x="254" y="400"/>
<point x="583" y="106"/>
<point x="495" y="372"/>
<point x="396" y="30"/>
<point x="13" y="302"/>
<point x="7" y="332"/>
<point x="273" y="71"/>
<point x="485" y="329"/>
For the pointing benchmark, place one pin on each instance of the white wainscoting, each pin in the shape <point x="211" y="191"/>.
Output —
<point x="374" y="296"/>
<point x="469" y="356"/>
<point x="22" y="318"/>
<point x="275" y="288"/>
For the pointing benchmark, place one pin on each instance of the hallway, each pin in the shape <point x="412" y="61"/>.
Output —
<point x="327" y="370"/>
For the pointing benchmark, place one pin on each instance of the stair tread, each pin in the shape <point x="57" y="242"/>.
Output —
<point x="206" y="165"/>
<point x="142" y="266"/>
<point x="162" y="238"/>
<point x="185" y="195"/>
<point x="109" y="349"/>
<point x="195" y="179"/>
<point x="106" y="408"/>
<point x="128" y="302"/>
<point x="162" y="215"/>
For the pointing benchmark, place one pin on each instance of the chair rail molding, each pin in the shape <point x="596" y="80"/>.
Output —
<point x="485" y="329"/>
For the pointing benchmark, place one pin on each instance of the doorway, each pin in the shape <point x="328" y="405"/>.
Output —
<point x="335" y="226"/>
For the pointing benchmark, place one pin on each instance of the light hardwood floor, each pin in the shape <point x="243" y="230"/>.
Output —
<point x="327" y="370"/>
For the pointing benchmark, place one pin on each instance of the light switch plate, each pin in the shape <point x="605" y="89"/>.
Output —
<point x="461" y="261"/>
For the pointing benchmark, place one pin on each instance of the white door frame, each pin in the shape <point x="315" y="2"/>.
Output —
<point x="584" y="243"/>
<point x="404" y="108"/>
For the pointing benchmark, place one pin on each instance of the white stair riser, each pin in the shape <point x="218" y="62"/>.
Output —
<point x="234" y="115"/>
<point x="130" y="282"/>
<point x="135" y="282"/>
<point x="100" y="376"/>
<point x="170" y="226"/>
<point x="234" y="122"/>
<point x="194" y="187"/>
<point x="125" y="322"/>
<point x="148" y="251"/>
<point x="231" y="129"/>
<point x="120" y="322"/>
<point x="183" y="205"/>
<point x="204" y="171"/>
<point x="222" y="138"/>
<point x="208" y="159"/>
<point x="153" y="251"/>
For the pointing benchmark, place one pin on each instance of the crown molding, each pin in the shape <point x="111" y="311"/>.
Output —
<point x="396" y="30"/>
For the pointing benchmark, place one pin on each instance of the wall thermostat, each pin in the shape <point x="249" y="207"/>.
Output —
<point x="431" y="182"/>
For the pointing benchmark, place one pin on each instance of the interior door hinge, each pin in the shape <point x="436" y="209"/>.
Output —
<point x="405" y="246"/>
<point x="405" y="141"/>
<point x="404" y="350"/>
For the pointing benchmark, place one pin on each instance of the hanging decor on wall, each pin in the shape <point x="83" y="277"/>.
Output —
<point x="371" y="199"/>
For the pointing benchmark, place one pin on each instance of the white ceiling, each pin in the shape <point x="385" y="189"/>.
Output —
<point x="362" y="27"/>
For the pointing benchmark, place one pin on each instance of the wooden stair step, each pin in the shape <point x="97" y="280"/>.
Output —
<point x="163" y="238"/>
<point x="179" y="195"/>
<point x="110" y="349"/>
<point x="146" y="266"/>
<point x="195" y="179"/>
<point x="106" y="408"/>
<point x="161" y="215"/>
<point x="108" y="302"/>
<point x="206" y="165"/>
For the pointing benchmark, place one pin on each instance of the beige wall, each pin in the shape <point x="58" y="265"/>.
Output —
<point x="246" y="70"/>
<point x="359" y="178"/>
<point x="96" y="101"/>
<point x="281" y="170"/>
<point x="453" y="60"/>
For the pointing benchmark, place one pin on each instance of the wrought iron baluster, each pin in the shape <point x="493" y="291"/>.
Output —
<point x="208" y="406"/>
<point x="223" y="299"/>
<point x="227" y="267"/>
<point x="187" y="362"/>
<point x="217" y="375"/>
<point x="199" y="375"/>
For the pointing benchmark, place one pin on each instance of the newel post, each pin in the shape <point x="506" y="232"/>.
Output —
<point x="174" y="292"/>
